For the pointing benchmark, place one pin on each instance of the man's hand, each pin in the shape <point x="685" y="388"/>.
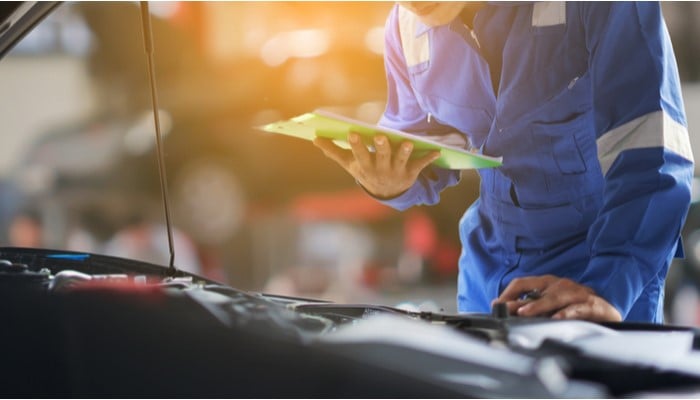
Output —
<point x="386" y="173"/>
<point x="559" y="297"/>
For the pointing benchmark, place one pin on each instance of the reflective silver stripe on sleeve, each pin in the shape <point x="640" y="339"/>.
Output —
<point x="548" y="13"/>
<point x="416" y="50"/>
<point x="655" y="129"/>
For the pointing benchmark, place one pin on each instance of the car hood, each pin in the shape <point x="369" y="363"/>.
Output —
<point x="84" y="322"/>
<point x="18" y="18"/>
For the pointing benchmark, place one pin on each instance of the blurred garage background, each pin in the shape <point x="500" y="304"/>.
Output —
<point x="257" y="211"/>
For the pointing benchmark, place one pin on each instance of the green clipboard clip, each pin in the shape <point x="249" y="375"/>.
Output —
<point x="327" y="125"/>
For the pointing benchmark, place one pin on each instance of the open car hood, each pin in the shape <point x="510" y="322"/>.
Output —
<point x="18" y="18"/>
<point x="89" y="324"/>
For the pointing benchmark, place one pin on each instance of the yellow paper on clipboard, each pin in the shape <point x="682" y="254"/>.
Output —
<point x="327" y="125"/>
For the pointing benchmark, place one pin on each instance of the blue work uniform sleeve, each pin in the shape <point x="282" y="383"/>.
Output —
<point x="643" y="149"/>
<point x="404" y="113"/>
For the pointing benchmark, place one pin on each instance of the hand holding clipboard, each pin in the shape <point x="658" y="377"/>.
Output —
<point x="323" y="124"/>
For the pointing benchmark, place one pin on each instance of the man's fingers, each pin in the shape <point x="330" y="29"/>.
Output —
<point x="560" y="298"/>
<point x="415" y="166"/>
<point x="335" y="153"/>
<point x="360" y="151"/>
<point x="403" y="153"/>
<point x="513" y="306"/>
<point x="559" y="294"/>
<point x="574" y="311"/>
<point x="382" y="154"/>
<point x="522" y="285"/>
<point x="551" y="301"/>
<point x="596" y="309"/>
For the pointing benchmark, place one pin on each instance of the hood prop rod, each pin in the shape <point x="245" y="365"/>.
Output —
<point x="148" y="42"/>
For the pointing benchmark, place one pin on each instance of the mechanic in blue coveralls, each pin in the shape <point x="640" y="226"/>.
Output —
<point x="583" y="102"/>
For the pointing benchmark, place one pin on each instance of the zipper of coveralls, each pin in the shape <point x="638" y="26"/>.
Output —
<point x="475" y="39"/>
<point x="496" y="93"/>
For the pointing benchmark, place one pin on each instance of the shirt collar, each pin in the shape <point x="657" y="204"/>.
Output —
<point x="421" y="28"/>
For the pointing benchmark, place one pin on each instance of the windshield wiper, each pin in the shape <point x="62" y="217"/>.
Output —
<point x="148" y="42"/>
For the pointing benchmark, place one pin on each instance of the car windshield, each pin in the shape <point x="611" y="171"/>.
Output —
<point x="259" y="212"/>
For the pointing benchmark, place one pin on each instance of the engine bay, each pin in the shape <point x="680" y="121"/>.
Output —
<point x="92" y="324"/>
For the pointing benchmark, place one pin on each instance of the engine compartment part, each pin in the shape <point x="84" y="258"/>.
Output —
<point x="86" y="324"/>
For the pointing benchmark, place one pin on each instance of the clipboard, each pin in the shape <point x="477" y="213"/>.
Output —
<point x="324" y="124"/>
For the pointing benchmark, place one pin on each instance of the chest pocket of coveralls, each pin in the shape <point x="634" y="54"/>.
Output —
<point x="451" y="86"/>
<point x="563" y="129"/>
<point x="561" y="143"/>
<point x="564" y="140"/>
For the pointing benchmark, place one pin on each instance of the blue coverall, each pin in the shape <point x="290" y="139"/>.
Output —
<point x="586" y="111"/>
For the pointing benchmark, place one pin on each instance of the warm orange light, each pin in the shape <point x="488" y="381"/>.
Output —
<point x="303" y="43"/>
<point x="374" y="39"/>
